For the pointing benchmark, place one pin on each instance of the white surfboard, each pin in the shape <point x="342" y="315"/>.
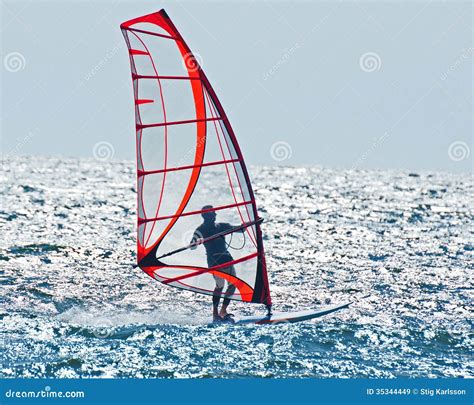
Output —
<point x="290" y="317"/>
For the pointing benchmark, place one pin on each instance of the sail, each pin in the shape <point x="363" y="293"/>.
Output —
<point x="188" y="158"/>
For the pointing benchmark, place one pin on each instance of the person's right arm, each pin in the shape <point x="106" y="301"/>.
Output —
<point x="196" y="236"/>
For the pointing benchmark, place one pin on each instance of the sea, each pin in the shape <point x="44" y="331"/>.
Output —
<point x="399" y="244"/>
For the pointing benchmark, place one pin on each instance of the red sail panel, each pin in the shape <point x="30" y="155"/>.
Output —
<point x="188" y="158"/>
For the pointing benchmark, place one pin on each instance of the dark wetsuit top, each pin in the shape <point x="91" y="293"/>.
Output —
<point x="216" y="249"/>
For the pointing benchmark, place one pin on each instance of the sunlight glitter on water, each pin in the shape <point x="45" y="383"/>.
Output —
<point x="74" y="306"/>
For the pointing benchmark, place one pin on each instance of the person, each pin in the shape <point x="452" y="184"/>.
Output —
<point x="217" y="254"/>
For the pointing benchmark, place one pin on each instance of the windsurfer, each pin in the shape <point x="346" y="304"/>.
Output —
<point x="217" y="254"/>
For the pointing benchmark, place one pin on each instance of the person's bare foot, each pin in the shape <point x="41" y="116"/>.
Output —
<point x="217" y="318"/>
<point x="225" y="315"/>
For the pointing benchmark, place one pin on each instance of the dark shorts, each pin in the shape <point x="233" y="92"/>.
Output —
<point x="218" y="259"/>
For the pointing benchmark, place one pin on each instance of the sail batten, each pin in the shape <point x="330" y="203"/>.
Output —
<point x="172" y="169"/>
<point x="183" y="214"/>
<point x="150" y="33"/>
<point x="135" y="76"/>
<point x="163" y="124"/>
<point x="189" y="163"/>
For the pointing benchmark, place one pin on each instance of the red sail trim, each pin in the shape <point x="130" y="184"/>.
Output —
<point x="205" y="270"/>
<point x="245" y="291"/>
<point x="137" y="52"/>
<point x="144" y="101"/>
<point x="135" y="76"/>
<point x="151" y="33"/>
<point x="173" y="169"/>
<point x="152" y="271"/>
<point x="165" y="124"/>
<point x="184" y="214"/>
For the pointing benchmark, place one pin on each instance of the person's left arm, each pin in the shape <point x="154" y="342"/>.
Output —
<point x="228" y="227"/>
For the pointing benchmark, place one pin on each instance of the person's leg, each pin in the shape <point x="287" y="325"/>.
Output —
<point x="228" y="293"/>
<point x="216" y="297"/>
<point x="215" y="302"/>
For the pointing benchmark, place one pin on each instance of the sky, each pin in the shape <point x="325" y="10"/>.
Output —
<point x="349" y="84"/>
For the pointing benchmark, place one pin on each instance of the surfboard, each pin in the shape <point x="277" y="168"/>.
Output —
<point x="290" y="317"/>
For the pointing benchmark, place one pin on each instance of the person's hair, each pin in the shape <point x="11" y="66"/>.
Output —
<point x="206" y="215"/>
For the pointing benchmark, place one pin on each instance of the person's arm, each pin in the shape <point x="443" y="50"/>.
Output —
<point x="228" y="227"/>
<point x="248" y="224"/>
<point x="196" y="236"/>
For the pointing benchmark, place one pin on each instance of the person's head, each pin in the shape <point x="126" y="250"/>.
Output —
<point x="208" y="216"/>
